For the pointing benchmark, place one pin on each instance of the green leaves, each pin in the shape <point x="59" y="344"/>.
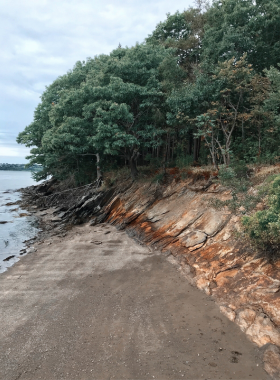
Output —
<point x="107" y="105"/>
<point x="235" y="27"/>
<point x="197" y="81"/>
<point x="263" y="227"/>
<point x="182" y="32"/>
<point x="175" y="27"/>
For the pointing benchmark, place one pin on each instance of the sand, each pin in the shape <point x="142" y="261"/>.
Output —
<point x="95" y="304"/>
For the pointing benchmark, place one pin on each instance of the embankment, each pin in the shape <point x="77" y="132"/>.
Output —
<point x="176" y="218"/>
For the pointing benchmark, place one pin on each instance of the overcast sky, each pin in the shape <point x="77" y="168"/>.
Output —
<point x="42" y="39"/>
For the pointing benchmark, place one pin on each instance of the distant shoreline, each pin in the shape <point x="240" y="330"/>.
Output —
<point x="20" y="167"/>
<point x="21" y="170"/>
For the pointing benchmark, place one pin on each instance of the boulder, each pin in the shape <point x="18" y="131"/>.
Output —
<point x="258" y="327"/>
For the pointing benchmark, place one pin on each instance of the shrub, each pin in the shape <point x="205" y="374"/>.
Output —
<point x="158" y="178"/>
<point x="263" y="228"/>
<point x="226" y="175"/>
<point x="233" y="178"/>
<point x="236" y="179"/>
<point x="184" y="161"/>
<point x="240" y="168"/>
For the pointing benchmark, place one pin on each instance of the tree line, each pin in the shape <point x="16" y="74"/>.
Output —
<point x="203" y="87"/>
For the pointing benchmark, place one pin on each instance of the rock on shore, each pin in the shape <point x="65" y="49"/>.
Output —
<point x="178" y="220"/>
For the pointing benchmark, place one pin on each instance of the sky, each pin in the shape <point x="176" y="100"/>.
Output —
<point x="42" y="39"/>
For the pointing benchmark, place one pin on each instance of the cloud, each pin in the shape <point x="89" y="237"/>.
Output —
<point x="41" y="40"/>
<point x="13" y="151"/>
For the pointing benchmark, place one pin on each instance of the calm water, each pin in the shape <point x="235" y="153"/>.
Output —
<point x="19" y="227"/>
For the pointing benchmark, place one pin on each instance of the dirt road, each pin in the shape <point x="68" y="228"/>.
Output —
<point x="96" y="305"/>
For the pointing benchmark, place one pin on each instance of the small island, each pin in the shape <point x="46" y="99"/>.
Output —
<point x="20" y="167"/>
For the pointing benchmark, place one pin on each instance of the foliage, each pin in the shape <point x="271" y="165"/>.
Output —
<point x="205" y="84"/>
<point x="158" y="178"/>
<point x="184" y="161"/>
<point x="154" y="162"/>
<point x="226" y="175"/>
<point x="263" y="228"/>
<point x="235" y="27"/>
<point x="231" y="178"/>
<point x="20" y="167"/>
<point x="240" y="101"/>
<point x="183" y="32"/>
<point x="111" y="105"/>
<point x="273" y="102"/>
<point x="237" y="179"/>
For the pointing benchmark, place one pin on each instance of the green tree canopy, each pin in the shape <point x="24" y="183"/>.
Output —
<point x="112" y="105"/>
<point x="183" y="32"/>
<point x="203" y="81"/>
<point x="235" y="27"/>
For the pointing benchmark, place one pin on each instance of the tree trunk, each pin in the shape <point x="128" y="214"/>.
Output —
<point x="228" y="143"/>
<point x="196" y="149"/>
<point x="132" y="164"/>
<point x="168" y="147"/>
<point x="259" y="133"/>
<point x="228" y="159"/>
<point x="189" y="146"/>
<point x="243" y="133"/>
<point x="164" y="158"/>
<point x="212" y="151"/>
<point x="78" y="169"/>
<point x="98" y="169"/>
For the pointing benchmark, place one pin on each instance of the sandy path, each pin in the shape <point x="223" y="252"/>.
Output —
<point x="78" y="310"/>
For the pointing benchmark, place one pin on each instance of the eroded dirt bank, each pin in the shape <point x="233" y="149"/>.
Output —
<point x="176" y="219"/>
<point x="94" y="304"/>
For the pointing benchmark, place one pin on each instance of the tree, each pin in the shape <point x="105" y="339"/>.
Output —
<point x="241" y="99"/>
<point x="189" y="101"/>
<point x="125" y="113"/>
<point x="273" y="101"/>
<point x="183" y="32"/>
<point x="196" y="82"/>
<point x="109" y="105"/>
<point x="58" y="134"/>
<point x="236" y="27"/>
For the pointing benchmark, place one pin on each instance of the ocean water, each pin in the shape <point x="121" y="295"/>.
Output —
<point x="16" y="224"/>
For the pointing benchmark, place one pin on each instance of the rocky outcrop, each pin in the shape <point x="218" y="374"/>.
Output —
<point x="178" y="220"/>
<point x="271" y="360"/>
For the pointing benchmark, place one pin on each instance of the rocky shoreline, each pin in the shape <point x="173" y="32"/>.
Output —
<point x="55" y="213"/>
<point x="176" y="219"/>
<point x="97" y="305"/>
